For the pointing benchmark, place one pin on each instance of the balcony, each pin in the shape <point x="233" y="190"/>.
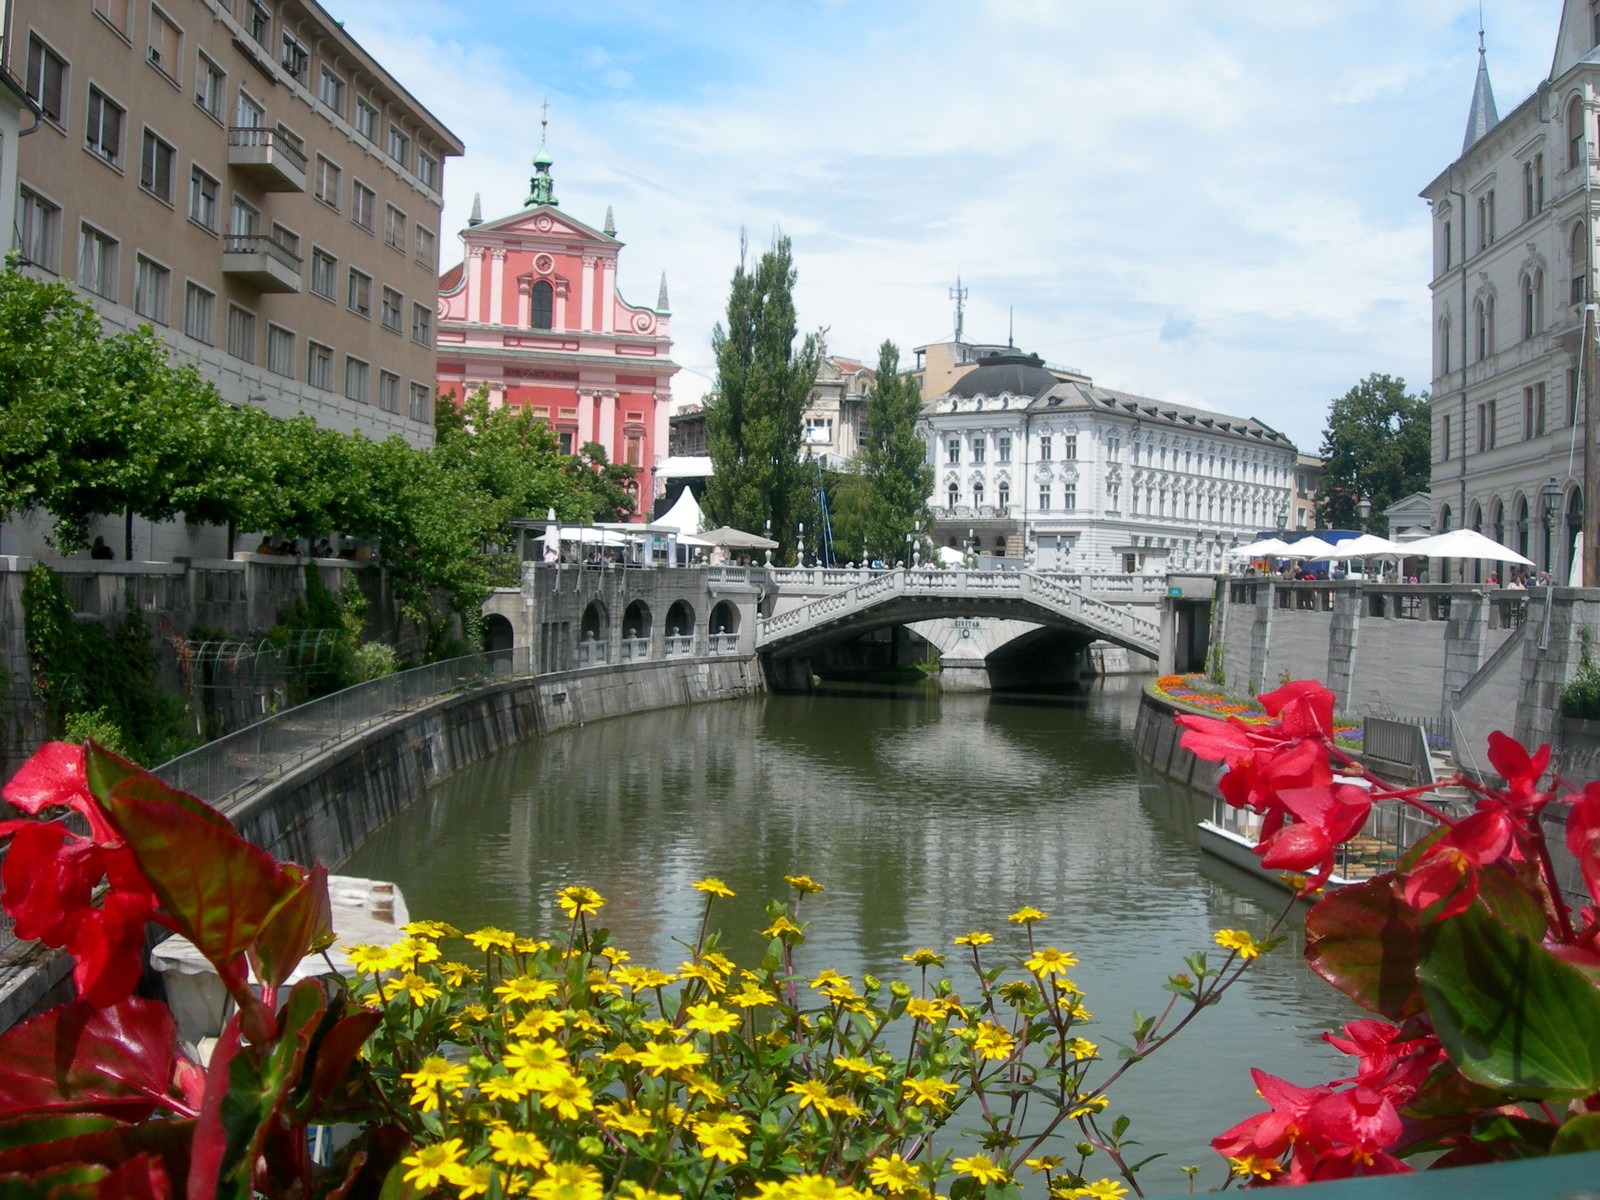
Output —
<point x="267" y="158"/>
<point x="255" y="259"/>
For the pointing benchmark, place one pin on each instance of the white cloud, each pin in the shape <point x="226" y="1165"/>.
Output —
<point x="1208" y="204"/>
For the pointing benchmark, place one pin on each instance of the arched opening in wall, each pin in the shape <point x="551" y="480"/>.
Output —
<point x="498" y="636"/>
<point x="724" y="618"/>
<point x="544" y="305"/>
<point x="596" y="624"/>
<point x="1497" y="522"/>
<point x="636" y="620"/>
<point x="952" y="498"/>
<point x="679" y="628"/>
<point x="1575" y="133"/>
<point x="1569" y="543"/>
<point x="1519" y="527"/>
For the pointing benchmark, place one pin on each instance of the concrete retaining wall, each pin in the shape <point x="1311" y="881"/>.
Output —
<point x="1155" y="740"/>
<point x="325" y="809"/>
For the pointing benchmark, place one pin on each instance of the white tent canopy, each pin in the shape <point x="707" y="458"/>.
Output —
<point x="684" y="515"/>
<point x="1464" y="543"/>
<point x="1313" y="547"/>
<point x="1265" y="548"/>
<point x="588" y="535"/>
<point x="1370" y="545"/>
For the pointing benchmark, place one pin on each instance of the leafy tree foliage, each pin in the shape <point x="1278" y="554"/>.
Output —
<point x="754" y="421"/>
<point x="894" y="460"/>
<point x="1378" y="444"/>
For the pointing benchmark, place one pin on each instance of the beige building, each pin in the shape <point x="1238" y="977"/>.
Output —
<point x="245" y="178"/>
<point x="835" y="416"/>
<point x="1307" y="479"/>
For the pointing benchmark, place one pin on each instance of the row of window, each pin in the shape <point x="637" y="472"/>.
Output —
<point x="1233" y="511"/>
<point x="1534" y="418"/>
<point x="38" y="239"/>
<point x="1254" y="472"/>
<point x="106" y="120"/>
<point x="164" y="50"/>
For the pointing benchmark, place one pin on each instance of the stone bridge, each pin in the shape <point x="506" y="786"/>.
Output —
<point x="903" y="597"/>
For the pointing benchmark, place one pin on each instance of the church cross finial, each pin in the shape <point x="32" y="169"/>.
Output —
<point x="542" y="188"/>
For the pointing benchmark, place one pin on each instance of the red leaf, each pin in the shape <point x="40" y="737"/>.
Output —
<point x="210" y="1137"/>
<point x="336" y="1052"/>
<point x="124" y="1144"/>
<point x="141" y="1178"/>
<point x="300" y="925"/>
<point x="79" y="1058"/>
<point x="1363" y="941"/>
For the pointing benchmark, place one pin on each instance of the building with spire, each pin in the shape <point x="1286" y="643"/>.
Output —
<point x="533" y="313"/>
<point x="1513" y="289"/>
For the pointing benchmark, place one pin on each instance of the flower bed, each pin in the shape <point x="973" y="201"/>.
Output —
<point x="1197" y="692"/>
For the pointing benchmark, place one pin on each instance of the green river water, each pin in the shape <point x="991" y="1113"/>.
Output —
<point x="925" y="816"/>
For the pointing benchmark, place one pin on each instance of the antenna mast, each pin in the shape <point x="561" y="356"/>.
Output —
<point x="958" y="294"/>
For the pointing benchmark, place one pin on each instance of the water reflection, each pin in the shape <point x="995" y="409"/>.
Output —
<point x="925" y="815"/>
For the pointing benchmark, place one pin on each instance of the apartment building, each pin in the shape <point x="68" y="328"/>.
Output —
<point x="244" y="177"/>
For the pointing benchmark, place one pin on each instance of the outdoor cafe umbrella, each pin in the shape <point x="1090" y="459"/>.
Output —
<point x="737" y="539"/>
<point x="1265" y="548"/>
<point x="1312" y="547"/>
<point x="1369" y="545"/>
<point x="1464" y="543"/>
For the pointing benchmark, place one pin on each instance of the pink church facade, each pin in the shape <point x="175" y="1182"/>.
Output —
<point x="534" y="313"/>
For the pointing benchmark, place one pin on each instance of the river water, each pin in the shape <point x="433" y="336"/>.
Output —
<point x="925" y="816"/>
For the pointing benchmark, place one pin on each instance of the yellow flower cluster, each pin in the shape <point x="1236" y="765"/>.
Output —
<point x="560" y="1069"/>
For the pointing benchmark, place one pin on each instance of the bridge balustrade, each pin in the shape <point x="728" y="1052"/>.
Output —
<point x="635" y="649"/>
<point x="677" y="644"/>
<point x="593" y="654"/>
<point x="723" y="643"/>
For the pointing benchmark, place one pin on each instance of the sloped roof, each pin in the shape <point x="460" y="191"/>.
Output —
<point x="525" y="217"/>
<point x="1160" y="412"/>
<point x="1019" y="374"/>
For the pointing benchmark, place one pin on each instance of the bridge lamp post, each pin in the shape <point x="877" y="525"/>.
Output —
<point x="1364" y="511"/>
<point x="1551" y="494"/>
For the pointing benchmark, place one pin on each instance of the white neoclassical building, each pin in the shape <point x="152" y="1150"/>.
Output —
<point x="1513" y="288"/>
<point x="1078" y="477"/>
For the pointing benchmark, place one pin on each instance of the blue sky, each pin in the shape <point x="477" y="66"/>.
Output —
<point x="1209" y="203"/>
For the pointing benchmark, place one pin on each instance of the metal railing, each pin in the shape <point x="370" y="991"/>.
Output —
<point x="254" y="137"/>
<point x="261" y="243"/>
<point x="223" y="772"/>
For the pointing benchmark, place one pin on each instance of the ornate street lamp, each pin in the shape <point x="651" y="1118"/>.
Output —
<point x="1551" y="494"/>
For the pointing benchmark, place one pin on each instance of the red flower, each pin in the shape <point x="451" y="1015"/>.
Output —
<point x="1324" y="816"/>
<point x="1304" y="708"/>
<point x="1268" y="1135"/>
<point x="55" y="778"/>
<point x="1583" y="835"/>
<point x="1447" y="874"/>
<point x="1351" y="1131"/>
<point x="1389" y="1061"/>
<point x="1520" y="770"/>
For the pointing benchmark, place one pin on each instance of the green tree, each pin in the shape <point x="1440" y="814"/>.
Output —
<point x="754" y="420"/>
<point x="894" y="459"/>
<point x="599" y="485"/>
<point x="1378" y="444"/>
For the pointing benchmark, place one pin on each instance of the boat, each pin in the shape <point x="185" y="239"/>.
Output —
<point x="1392" y="826"/>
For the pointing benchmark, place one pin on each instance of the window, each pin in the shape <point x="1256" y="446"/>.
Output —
<point x="1576" y="142"/>
<point x="428" y="171"/>
<point x="633" y="449"/>
<point x="366" y="121"/>
<point x="1044" y="497"/>
<point x="1113" y="492"/>
<point x="1044" y="447"/>
<point x="1003" y="497"/>
<point x="152" y="289"/>
<point x="399" y="145"/>
<point x="355" y="379"/>
<point x="280" y="351"/>
<point x="1444" y="347"/>
<point x="327" y="182"/>
<point x="245" y="219"/>
<point x="1444" y="438"/>
<point x="1486" y="425"/>
<point x="165" y="40"/>
<point x="1002" y="448"/>
<point x="394" y="228"/>
<point x="425" y="248"/>
<point x="330" y="90"/>
<point x="360" y="294"/>
<point x="199" y="311"/>
<point x="953" y="452"/>
<point x="544" y="299"/>
<point x="210" y="87"/>
<point x="952" y="498"/>
<point x="389" y="312"/>
<point x="202" y="199"/>
<point x="319" y="366"/>
<point x="1533" y="411"/>
<point x="388" y="392"/>
<point x="241" y="333"/>
<point x="97" y="262"/>
<point x="422" y="324"/>
<point x="103" y="132"/>
<point x="115" y="13"/>
<point x="38" y="231"/>
<point x="1447" y="245"/>
<point x="155" y="167"/>
<point x="258" y="20"/>
<point x="323" y="269"/>
<point x="421" y="403"/>
<point x="1069" y="447"/>
<point x="1069" y="497"/>
<point x="1529" y="309"/>
<point x="287" y="238"/>
<point x="1114" y="449"/>
<point x="1532" y="187"/>
<point x="248" y="114"/>
<point x="979" y="449"/>
<point x="295" y="59"/>
<point x="47" y="75"/>
<point x="363" y="203"/>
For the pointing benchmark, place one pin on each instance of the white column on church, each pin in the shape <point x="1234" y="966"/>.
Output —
<point x="475" y="285"/>
<point x="606" y="432"/>
<point x="559" y="318"/>
<point x="608" y="301"/>
<point x="585" y="296"/>
<point x="585" y="419"/>
<point x="497" y="272"/>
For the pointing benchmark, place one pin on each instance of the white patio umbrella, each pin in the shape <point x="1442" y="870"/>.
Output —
<point x="1369" y="545"/>
<point x="1464" y="543"/>
<point x="1312" y="547"/>
<point x="1265" y="548"/>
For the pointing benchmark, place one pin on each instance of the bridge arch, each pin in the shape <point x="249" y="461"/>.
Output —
<point x="596" y="623"/>
<point x="636" y="620"/>
<point x="725" y="617"/>
<point x="498" y="634"/>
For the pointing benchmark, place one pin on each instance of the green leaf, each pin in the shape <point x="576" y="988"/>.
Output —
<point x="77" y="1058"/>
<point x="1510" y="1014"/>
<point x="1363" y="940"/>
<point x="1577" y="1136"/>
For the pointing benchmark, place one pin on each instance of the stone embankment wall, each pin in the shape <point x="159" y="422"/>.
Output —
<point x="1155" y="741"/>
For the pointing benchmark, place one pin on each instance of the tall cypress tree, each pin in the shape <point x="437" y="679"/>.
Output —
<point x="895" y="459"/>
<point x="754" y="422"/>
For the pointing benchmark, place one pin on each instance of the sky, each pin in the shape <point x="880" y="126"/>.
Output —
<point x="1210" y="203"/>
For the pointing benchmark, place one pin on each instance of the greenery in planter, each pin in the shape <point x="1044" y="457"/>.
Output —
<point x="1581" y="697"/>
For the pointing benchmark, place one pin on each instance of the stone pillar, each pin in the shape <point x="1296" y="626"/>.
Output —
<point x="606" y="429"/>
<point x="1465" y="639"/>
<point x="1260" y="640"/>
<point x="1167" y="662"/>
<point x="475" y="284"/>
<point x="1344" y="640"/>
<point x="586" y="293"/>
<point x="585" y="419"/>
<point x="608" y="295"/>
<point x="497" y="272"/>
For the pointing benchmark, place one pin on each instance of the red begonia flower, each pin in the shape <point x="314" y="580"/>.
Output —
<point x="1583" y="835"/>
<point x="1520" y="770"/>
<point x="1304" y="708"/>
<point x="1393" y="1061"/>
<point x="55" y="778"/>
<point x="1268" y="1135"/>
